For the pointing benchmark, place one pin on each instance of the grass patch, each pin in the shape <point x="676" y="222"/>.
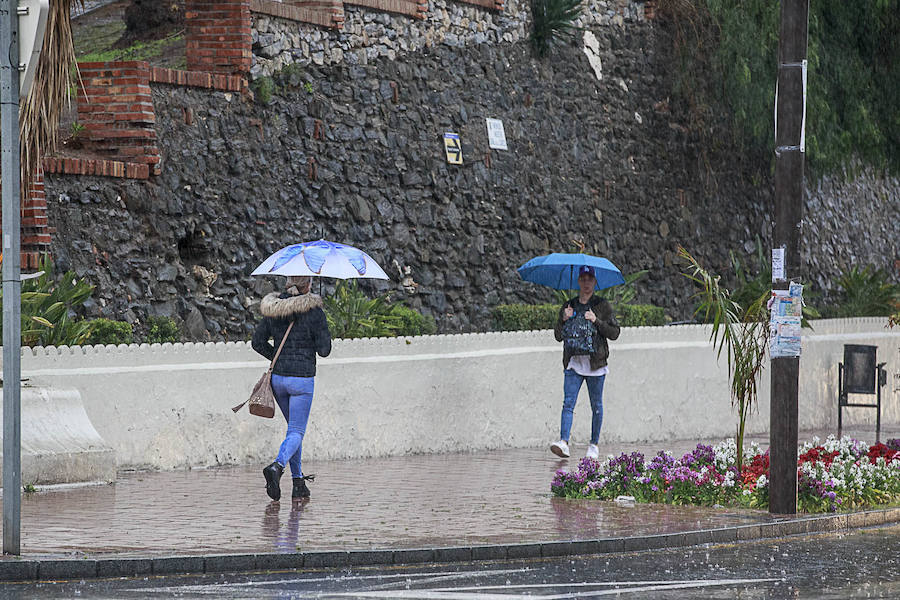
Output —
<point x="137" y="51"/>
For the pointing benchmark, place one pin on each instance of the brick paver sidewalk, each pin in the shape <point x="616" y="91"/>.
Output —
<point x="497" y="497"/>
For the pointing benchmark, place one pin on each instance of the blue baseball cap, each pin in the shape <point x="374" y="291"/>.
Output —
<point x="586" y="270"/>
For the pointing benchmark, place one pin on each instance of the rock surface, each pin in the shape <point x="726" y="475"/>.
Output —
<point x="354" y="153"/>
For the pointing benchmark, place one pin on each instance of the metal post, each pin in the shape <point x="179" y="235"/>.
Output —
<point x="789" y="159"/>
<point x="12" y="285"/>
<point x="841" y="399"/>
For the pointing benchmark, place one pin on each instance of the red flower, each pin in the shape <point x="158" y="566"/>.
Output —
<point x="817" y="454"/>
<point x="758" y="466"/>
<point x="879" y="450"/>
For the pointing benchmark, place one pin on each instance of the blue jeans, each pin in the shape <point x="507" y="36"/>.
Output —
<point x="571" y="386"/>
<point x="294" y="397"/>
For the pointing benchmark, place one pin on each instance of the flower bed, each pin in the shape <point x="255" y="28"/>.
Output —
<point x="835" y="475"/>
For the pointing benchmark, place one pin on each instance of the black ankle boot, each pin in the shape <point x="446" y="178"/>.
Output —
<point x="300" y="489"/>
<point x="272" y="473"/>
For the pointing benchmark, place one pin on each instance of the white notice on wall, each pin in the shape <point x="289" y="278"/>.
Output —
<point x="496" y="135"/>
<point x="778" y="264"/>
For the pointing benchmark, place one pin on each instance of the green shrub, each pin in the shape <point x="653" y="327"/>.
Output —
<point x="865" y="293"/>
<point x="641" y="315"/>
<point x="412" y="322"/>
<point x="524" y="317"/>
<point x="352" y="314"/>
<point x="162" y="330"/>
<point x="107" y="331"/>
<point x="263" y="89"/>
<point x="46" y="305"/>
<point x="552" y="21"/>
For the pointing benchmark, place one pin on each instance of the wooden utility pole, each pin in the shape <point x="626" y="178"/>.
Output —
<point x="789" y="158"/>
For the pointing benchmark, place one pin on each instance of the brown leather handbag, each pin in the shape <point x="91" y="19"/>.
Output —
<point x="262" y="398"/>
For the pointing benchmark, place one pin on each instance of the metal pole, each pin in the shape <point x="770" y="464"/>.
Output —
<point x="12" y="285"/>
<point x="789" y="161"/>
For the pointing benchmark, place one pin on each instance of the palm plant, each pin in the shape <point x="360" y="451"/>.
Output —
<point x="552" y="20"/>
<point x="866" y="292"/>
<point x="46" y="307"/>
<point x="748" y="288"/>
<point x="743" y="333"/>
<point x="352" y="314"/>
<point x="41" y="109"/>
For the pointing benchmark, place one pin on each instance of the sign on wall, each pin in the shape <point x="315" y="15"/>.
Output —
<point x="453" y="148"/>
<point x="496" y="135"/>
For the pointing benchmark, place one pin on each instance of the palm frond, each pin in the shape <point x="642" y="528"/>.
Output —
<point x="40" y="110"/>
<point x="743" y="332"/>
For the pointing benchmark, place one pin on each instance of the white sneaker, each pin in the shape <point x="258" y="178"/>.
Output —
<point x="560" y="448"/>
<point x="592" y="452"/>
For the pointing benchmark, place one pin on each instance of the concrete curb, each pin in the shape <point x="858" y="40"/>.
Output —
<point x="26" y="569"/>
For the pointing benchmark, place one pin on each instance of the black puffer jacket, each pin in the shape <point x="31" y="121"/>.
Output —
<point x="308" y="337"/>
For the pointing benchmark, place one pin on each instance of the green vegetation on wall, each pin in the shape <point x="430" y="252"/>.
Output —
<point x="162" y="330"/>
<point x="47" y="307"/>
<point x="727" y="53"/>
<point x="552" y="22"/>
<point x="352" y="314"/>
<point x="107" y="331"/>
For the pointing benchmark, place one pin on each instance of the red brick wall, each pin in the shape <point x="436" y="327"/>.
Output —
<point x="217" y="36"/>
<point x="115" y="106"/>
<point x="34" y="227"/>
<point x="412" y="8"/>
<point x="325" y="13"/>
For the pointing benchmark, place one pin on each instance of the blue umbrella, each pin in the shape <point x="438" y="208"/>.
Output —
<point x="560" y="271"/>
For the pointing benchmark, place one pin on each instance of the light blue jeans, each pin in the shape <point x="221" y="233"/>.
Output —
<point x="571" y="386"/>
<point x="294" y="397"/>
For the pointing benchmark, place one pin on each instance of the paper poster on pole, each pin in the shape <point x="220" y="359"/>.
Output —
<point x="778" y="264"/>
<point x="785" y="323"/>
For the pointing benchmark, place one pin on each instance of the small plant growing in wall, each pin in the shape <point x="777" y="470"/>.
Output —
<point x="263" y="89"/>
<point x="552" y="22"/>
<point x="75" y="135"/>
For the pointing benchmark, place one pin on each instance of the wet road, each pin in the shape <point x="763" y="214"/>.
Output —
<point x="862" y="564"/>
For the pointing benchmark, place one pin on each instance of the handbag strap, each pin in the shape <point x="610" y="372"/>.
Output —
<point x="280" y="346"/>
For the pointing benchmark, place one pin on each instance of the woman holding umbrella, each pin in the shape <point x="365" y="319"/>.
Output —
<point x="297" y="317"/>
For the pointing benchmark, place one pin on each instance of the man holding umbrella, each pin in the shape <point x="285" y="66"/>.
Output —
<point x="585" y="323"/>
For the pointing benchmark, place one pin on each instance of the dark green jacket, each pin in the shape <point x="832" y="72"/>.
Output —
<point x="605" y="328"/>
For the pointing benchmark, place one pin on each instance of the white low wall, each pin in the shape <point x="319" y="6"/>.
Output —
<point x="169" y="406"/>
<point x="58" y="442"/>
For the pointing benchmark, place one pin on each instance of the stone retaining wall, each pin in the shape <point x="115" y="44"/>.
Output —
<point x="367" y="35"/>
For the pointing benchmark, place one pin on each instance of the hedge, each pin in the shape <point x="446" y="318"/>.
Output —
<point x="525" y="317"/>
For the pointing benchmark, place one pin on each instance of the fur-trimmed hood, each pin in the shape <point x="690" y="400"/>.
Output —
<point x="273" y="305"/>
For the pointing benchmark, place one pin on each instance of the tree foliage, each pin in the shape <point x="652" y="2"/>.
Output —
<point x="727" y="54"/>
